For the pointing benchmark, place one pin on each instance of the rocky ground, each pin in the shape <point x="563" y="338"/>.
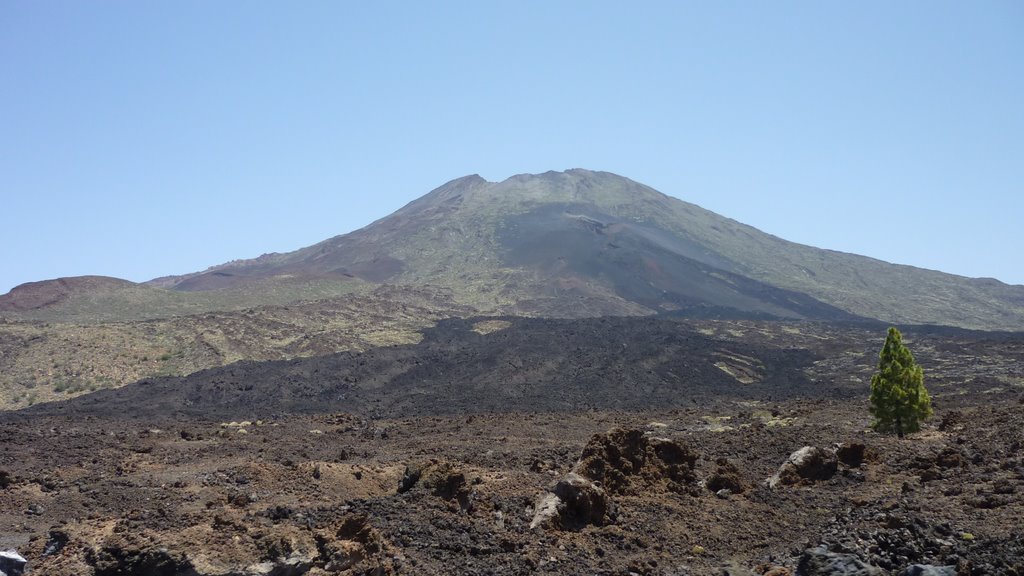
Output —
<point x="697" y="486"/>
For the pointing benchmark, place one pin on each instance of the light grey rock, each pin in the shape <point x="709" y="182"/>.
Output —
<point x="808" y="463"/>
<point x="546" y="511"/>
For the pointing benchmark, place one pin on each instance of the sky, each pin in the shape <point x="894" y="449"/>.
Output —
<point x="141" y="139"/>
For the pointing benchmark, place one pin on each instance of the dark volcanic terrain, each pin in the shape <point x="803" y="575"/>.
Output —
<point x="444" y="457"/>
<point x="573" y="244"/>
<point x="567" y="373"/>
<point x="518" y="364"/>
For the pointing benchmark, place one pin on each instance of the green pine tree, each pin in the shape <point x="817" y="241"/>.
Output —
<point x="899" y="401"/>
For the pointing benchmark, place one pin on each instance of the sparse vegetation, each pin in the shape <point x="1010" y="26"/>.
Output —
<point x="491" y="246"/>
<point x="899" y="400"/>
<point x="125" y="302"/>
<point x="486" y="327"/>
<point x="49" y="361"/>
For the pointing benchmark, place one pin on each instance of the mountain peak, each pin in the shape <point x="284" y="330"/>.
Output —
<point x="581" y="242"/>
<point x="465" y="181"/>
<point x="574" y="174"/>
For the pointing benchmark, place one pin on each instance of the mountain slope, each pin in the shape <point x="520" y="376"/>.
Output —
<point x="43" y="361"/>
<point x="582" y="243"/>
<point x="97" y="299"/>
<point x="573" y="244"/>
<point x="527" y="364"/>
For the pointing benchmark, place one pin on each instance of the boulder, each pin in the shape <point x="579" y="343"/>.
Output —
<point x="820" y="562"/>
<point x="628" y="462"/>
<point x="572" y="503"/>
<point x="951" y="421"/>
<point x="950" y="458"/>
<point x="546" y="512"/>
<point x="584" y="502"/>
<point x="12" y="563"/>
<point x="808" y="464"/>
<point x="621" y="461"/>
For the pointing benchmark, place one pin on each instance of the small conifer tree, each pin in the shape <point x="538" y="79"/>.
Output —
<point x="899" y="401"/>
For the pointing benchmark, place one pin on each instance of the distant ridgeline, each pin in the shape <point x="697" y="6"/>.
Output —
<point x="559" y="244"/>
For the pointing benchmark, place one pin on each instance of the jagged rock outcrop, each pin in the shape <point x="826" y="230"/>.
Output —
<point x="619" y="462"/>
<point x="573" y="502"/>
<point x="627" y="462"/>
<point x="441" y="479"/>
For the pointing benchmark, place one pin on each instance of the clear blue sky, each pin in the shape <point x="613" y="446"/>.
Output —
<point x="139" y="139"/>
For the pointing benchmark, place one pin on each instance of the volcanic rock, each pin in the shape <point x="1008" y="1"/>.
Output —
<point x="627" y="462"/>
<point x="851" y="454"/>
<point x="585" y="503"/>
<point x="356" y="546"/>
<point x="623" y="462"/>
<point x="572" y="503"/>
<point x="546" y="514"/>
<point x="11" y="563"/>
<point x="726" y="477"/>
<point x="440" y="479"/>
<point x="807" y="464"/>
<point x="118" y="556"/>
<point x="820" y="562"/>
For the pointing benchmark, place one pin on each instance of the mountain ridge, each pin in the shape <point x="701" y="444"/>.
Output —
<point x="587" y="243"/>
<point x="466" y="223"/>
